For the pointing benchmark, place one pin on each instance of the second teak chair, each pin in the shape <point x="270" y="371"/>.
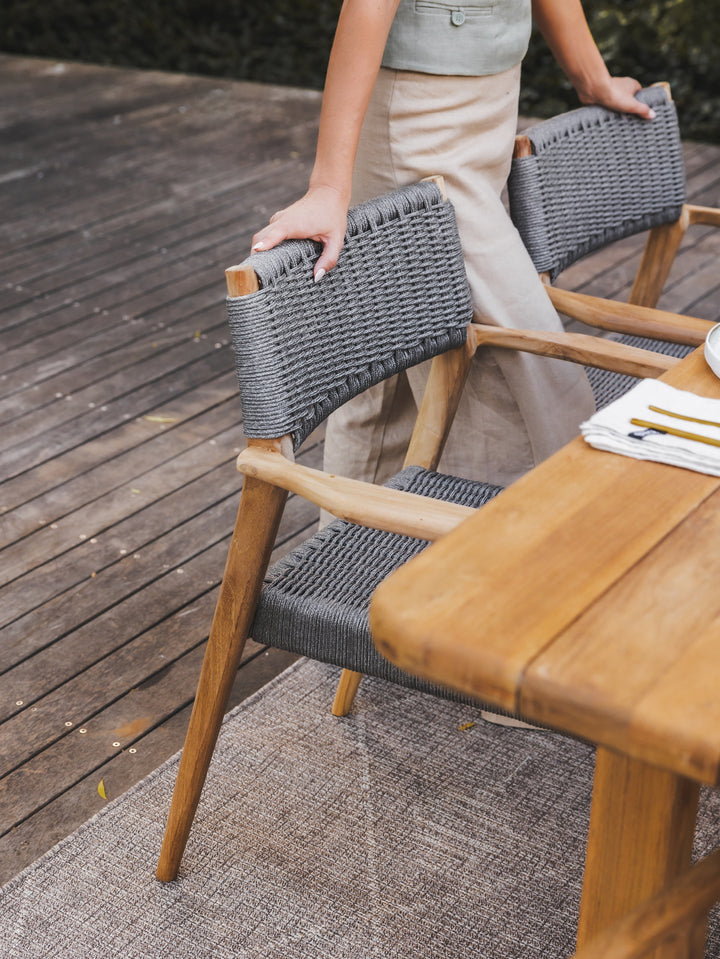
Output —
<point x="585" y="179"/>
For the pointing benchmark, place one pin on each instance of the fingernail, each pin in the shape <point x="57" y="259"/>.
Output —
<point x="319" y="274"/>
<point x="258" y="246"/>
<point x="652" y="114"/>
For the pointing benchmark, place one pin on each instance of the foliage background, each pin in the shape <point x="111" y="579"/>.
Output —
<point x="288" y="41"/>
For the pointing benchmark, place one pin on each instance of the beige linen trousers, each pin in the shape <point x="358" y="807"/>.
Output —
<point x="517" y="409"/>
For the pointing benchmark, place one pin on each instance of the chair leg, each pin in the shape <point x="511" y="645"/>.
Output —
<point x="657" y="259"/>
<point x="259" y="514"/>
<point x="345" y="694"/>
<point x="448" y="373"/>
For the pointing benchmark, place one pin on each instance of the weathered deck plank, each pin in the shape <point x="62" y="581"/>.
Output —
<point x="124" y="195"/>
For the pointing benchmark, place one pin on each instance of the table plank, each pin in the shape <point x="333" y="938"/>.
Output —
<point x="609" y="678"/>
<point x="530" y="562"/>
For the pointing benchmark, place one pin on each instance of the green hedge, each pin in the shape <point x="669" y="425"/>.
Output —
<point x="287" y="42"/>
<point x="674" y="40"/>
<point x="276" y="41"/>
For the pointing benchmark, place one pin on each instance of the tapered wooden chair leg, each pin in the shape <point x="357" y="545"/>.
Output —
<point x="435" y="416"/>
<point x="658" y="257"/>
<point x="258" y="518"/>
<point x="345" y="693"/>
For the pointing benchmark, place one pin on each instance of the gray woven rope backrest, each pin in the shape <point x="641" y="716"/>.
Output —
<point x="397" y="296"/>
<point x="596" y="176"/>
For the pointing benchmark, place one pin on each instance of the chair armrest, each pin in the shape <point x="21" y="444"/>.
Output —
<point x="708" y="215"/>
<point x="677" y="910"/>
<point x="362" y="503"/>
<point x="628" y="318"/>
<point x="577" y="348"/>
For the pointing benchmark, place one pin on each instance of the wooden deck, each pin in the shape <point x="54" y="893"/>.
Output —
<point x="124" y="195"/>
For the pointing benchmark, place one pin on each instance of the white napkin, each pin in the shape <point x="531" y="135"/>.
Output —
<point x="611" y="429"/>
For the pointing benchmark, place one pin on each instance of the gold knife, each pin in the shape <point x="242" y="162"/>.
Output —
<point x="682" y="433"/>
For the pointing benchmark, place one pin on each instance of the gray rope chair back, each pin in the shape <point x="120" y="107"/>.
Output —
<point x="594" y="177"/>
<point x="398" y="295"/>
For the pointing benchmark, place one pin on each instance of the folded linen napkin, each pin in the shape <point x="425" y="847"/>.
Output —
<point x="611" y="428"/>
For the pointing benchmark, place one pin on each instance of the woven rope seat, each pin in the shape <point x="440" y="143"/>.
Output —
<point x="315" y="600"/>
<point x="594" y="177"/>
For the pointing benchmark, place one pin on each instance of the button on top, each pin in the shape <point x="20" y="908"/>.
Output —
<point x="457" y="18"/>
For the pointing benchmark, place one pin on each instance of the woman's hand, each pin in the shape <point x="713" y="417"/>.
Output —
<point x="363" y="27"/>
<point x="566" y="31"/>
<point x="319" y="215"/>
<point x="617" y="93"/>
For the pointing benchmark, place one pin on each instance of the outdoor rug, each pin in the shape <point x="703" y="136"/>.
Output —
<point x="411" y="828"/>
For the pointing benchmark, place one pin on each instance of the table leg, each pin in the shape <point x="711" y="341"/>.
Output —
<point x="642" y="825"/>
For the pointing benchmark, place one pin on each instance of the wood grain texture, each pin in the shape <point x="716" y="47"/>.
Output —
<point x="628" y="318"/>
<point x="642" y="825"/>
<point x="256" y="528"/>
<point x="661" y="248"/>
<point x="650" y="654"/>
<point x="366" y="504"/>
<point x="577" y="348"/>
<point x="676" y="913"/>
<point x="524" y="568"/>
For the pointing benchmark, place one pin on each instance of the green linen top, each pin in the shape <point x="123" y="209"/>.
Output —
<point x="458" y="39"/>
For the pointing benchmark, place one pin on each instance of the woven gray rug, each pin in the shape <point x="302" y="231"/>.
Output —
<point x="401" y="831"/>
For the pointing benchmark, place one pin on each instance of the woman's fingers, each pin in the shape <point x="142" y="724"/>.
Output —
<point x="269" y="237"/>
<point x="622" y="98"/>
<point x="329" y="256"/>
<point x="320" y="215"/>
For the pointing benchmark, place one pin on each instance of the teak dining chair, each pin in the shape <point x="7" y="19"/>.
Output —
<point x="398" y="296"/>
<point x="587" y="178"/>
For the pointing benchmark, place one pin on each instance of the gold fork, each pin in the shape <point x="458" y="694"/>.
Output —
<point x="680" y="416"/>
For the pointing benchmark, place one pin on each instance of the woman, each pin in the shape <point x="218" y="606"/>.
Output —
<point x="419" y="87"/>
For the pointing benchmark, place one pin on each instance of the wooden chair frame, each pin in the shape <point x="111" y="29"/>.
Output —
<point x="270" y="473"/>
<point x="639" y="316"/>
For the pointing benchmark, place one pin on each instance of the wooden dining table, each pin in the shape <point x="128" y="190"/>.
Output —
<point x="586" y="597"/>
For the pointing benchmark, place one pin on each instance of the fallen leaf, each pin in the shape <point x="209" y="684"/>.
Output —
<point x="101" y="788"/>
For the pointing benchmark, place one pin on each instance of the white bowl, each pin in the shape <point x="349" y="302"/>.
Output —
<point x="712" y="349"/>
